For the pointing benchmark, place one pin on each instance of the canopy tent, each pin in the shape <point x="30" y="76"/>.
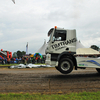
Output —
<point x="42" y="49"/>
<point x="79" y="45"/>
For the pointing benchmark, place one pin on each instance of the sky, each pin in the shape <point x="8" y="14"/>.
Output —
<point x="30" y="20"/>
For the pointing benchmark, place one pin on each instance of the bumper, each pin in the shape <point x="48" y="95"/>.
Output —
<point x="48" y="59"/>
<point x="49" y="62"/>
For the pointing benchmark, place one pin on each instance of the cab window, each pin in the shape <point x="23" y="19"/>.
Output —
<point x="60" y="35"/>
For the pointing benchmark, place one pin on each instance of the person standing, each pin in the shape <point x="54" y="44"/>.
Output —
<point x="8" y="60"/>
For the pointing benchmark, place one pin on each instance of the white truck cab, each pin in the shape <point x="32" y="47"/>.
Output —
<point x="61" y="50"/>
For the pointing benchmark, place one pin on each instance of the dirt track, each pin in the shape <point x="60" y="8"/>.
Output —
<point x="48" y="80"/>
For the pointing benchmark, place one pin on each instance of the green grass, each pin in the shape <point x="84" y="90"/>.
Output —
<point x="71" y="96"/>
<point x="8" y="64"/>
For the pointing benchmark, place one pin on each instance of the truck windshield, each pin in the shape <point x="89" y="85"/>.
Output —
<point x="59" y="35"/>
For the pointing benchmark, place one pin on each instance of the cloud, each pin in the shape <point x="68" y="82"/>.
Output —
<point x="30" y="20"/>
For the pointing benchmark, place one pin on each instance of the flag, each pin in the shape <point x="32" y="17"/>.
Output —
<point x="27" y="48"/>
<point x="13" y="1"/>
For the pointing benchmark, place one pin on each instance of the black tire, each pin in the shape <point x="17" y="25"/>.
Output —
<point x="98" y="70"/>
<point x="65" y="66"/>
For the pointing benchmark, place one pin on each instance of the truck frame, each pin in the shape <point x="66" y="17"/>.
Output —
<point x="61" y="52"/>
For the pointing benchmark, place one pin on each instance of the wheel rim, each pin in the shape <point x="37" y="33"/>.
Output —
<point x="65" y="66"/>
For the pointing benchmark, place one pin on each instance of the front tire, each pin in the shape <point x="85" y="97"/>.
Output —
<point x="65" y="65"/>
<point x="98" y="70"/>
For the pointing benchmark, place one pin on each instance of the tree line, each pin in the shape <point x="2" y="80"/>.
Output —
<point x="95" y="47"/>
<point x="18" y="54"/>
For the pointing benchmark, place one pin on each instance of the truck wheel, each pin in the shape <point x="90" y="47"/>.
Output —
<point x="65" y="66"/>
<point x="98" y="70"/>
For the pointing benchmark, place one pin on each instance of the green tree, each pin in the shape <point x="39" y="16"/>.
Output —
<point x="14" y="54"/>
<point x="19" y="53"/>
<point x="95" y="47"/>
<point x="23" y="52"/>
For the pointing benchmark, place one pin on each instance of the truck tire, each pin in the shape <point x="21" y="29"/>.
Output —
<point x="98" y="70"/>
<point x="65" y="65"/>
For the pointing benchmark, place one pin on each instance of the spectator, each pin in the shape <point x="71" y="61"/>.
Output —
<point x="44" y="59"/>
<point x="33" y="60"/>
<point x="8" y="60"/>
<point x="23" y="60"/>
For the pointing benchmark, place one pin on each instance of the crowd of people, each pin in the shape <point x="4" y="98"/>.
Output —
<point x="24" y="60"/>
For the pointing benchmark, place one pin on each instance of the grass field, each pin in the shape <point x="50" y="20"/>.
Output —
<point x="8" y="64"/>
<point x="71" y="96"/>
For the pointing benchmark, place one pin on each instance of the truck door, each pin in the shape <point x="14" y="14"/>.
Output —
<point x="58" y="42"/>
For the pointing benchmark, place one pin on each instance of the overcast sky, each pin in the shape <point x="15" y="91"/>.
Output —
<point x="30" y="20"/>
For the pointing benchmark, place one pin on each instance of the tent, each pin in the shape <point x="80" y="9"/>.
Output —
<point x="79" y="45"/>
<point x="42" y="49"/>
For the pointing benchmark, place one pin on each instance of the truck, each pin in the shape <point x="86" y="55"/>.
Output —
<point x="61" y="52"/>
